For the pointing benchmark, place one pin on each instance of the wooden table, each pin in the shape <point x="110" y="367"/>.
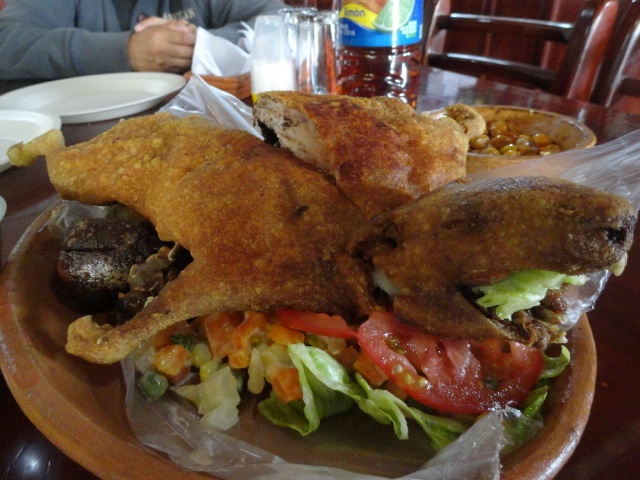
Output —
<point x="611" y="441"/>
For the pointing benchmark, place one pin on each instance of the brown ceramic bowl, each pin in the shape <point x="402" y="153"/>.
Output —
<point x="567" y="132"/>
<point x="80" y="406"/>
<point x="238" y="86"/>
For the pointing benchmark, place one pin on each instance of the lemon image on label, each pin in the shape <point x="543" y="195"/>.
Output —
<point x="394" y="15"/>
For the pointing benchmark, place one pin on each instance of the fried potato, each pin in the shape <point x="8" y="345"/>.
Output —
<point x="465" y="117"/>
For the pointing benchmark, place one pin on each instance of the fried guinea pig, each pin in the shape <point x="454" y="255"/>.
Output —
<point x="430" y="254"/>
<point x="264" y="230"/>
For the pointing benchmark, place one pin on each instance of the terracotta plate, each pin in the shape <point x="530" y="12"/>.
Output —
<point x="80" y="406"/>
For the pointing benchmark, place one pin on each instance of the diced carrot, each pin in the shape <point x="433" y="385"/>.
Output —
<point x="281" y="334"/>
<point x="252" y="331"/>
<point x="170" y="360"/>
<point x="218" y="329"/>
<point x="369" y="370"/>
<point x="197" y="324"/>
<point x="286" y="385"/>
<point x="393" y="387"/>
<point x="163" y="337"/>
<point x="240" y="358"/>
<point x="348" y="357"/>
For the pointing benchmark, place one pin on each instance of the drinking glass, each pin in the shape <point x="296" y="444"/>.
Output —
<point x="316" y="45"/>
<point x="272" y="66"/>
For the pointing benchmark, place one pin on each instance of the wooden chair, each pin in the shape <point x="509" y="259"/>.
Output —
<point x="584" y="43"/>
<point x="620" y="71"/>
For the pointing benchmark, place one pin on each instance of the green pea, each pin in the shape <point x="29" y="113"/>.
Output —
<point x="153" y="385"/>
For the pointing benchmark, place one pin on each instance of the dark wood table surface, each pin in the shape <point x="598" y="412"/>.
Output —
<point x="610" y="446"/>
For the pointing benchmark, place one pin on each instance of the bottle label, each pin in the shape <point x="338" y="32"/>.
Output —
<point x="380" y="23"/>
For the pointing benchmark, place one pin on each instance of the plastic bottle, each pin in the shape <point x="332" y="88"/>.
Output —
<point x="380" y="51"/>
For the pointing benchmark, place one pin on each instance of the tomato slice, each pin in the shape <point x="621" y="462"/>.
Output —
<point x="451" y="375"/>
<point x="318" y="323"/>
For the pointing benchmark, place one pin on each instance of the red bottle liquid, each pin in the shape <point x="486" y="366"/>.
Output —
<point x="380" y="50"/>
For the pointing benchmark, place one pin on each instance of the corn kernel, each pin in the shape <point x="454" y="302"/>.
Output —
<point x="201" y="354"/>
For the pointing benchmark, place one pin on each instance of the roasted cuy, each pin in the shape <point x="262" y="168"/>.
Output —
<point x="380" y="152"/>
<point x="264" y="230"/>
<point x="470" y="234"/>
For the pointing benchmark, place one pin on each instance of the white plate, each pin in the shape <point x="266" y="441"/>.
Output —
<point x="21" y="126"/>
<point x="93" y="98"/>
<point x="3" y="207"/>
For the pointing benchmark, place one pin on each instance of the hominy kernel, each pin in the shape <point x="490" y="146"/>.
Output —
<point x="500" y="139"/>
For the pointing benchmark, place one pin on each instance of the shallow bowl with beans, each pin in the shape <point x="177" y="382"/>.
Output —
<point x="517" y="134"/>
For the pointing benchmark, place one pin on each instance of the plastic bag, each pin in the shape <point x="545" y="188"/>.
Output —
<point x="199" y="98"/>
<point x="170" y="427"/>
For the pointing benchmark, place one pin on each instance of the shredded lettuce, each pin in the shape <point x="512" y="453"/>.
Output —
<point x="554" y="366"/>
<point x="522" y="428"/>
<point x="319" y="400"/>
<point x="523" y="290"/>
<point x="328" y="389"/>
<point x="440" y="430"/>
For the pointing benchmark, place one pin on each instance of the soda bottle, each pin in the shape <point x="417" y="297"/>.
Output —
<point x="380" y="51"/>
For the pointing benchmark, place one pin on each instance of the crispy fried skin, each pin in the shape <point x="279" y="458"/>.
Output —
<point x="139" y="161"/>
<point x="264" y="230"/>
<point x="466" y="234"/>
<point x="381" y="153"/>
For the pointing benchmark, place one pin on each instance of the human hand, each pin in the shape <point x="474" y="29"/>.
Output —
<point x="160" y="45"/>
<point x="154" y="21"/>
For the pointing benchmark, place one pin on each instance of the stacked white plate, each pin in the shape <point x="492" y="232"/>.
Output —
<point x="94" y="98"/>
<point x="21" y="126"/>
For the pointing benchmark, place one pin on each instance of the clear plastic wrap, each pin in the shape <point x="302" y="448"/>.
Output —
<point x="613" y="167"/>
<point x="170" y="426"/>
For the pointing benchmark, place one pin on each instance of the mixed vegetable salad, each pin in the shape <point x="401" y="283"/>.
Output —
<point x="309" y="366"/>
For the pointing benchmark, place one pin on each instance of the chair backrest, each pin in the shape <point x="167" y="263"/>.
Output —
<point x="620" y="72"/>
<point x="584" y="43"/>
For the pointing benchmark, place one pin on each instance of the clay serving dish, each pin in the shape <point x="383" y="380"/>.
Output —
<point x="238" y="86"/>
<point x="80" y="406"/>
<point x="567" y="132"/>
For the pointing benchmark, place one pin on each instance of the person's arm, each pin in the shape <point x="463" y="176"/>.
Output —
<point x="40" y="40"/>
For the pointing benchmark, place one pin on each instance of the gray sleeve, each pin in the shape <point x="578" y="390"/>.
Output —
<point x="40" y="40"/>
<point x="68" y="38"/>
<point x="227" y="16"/>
